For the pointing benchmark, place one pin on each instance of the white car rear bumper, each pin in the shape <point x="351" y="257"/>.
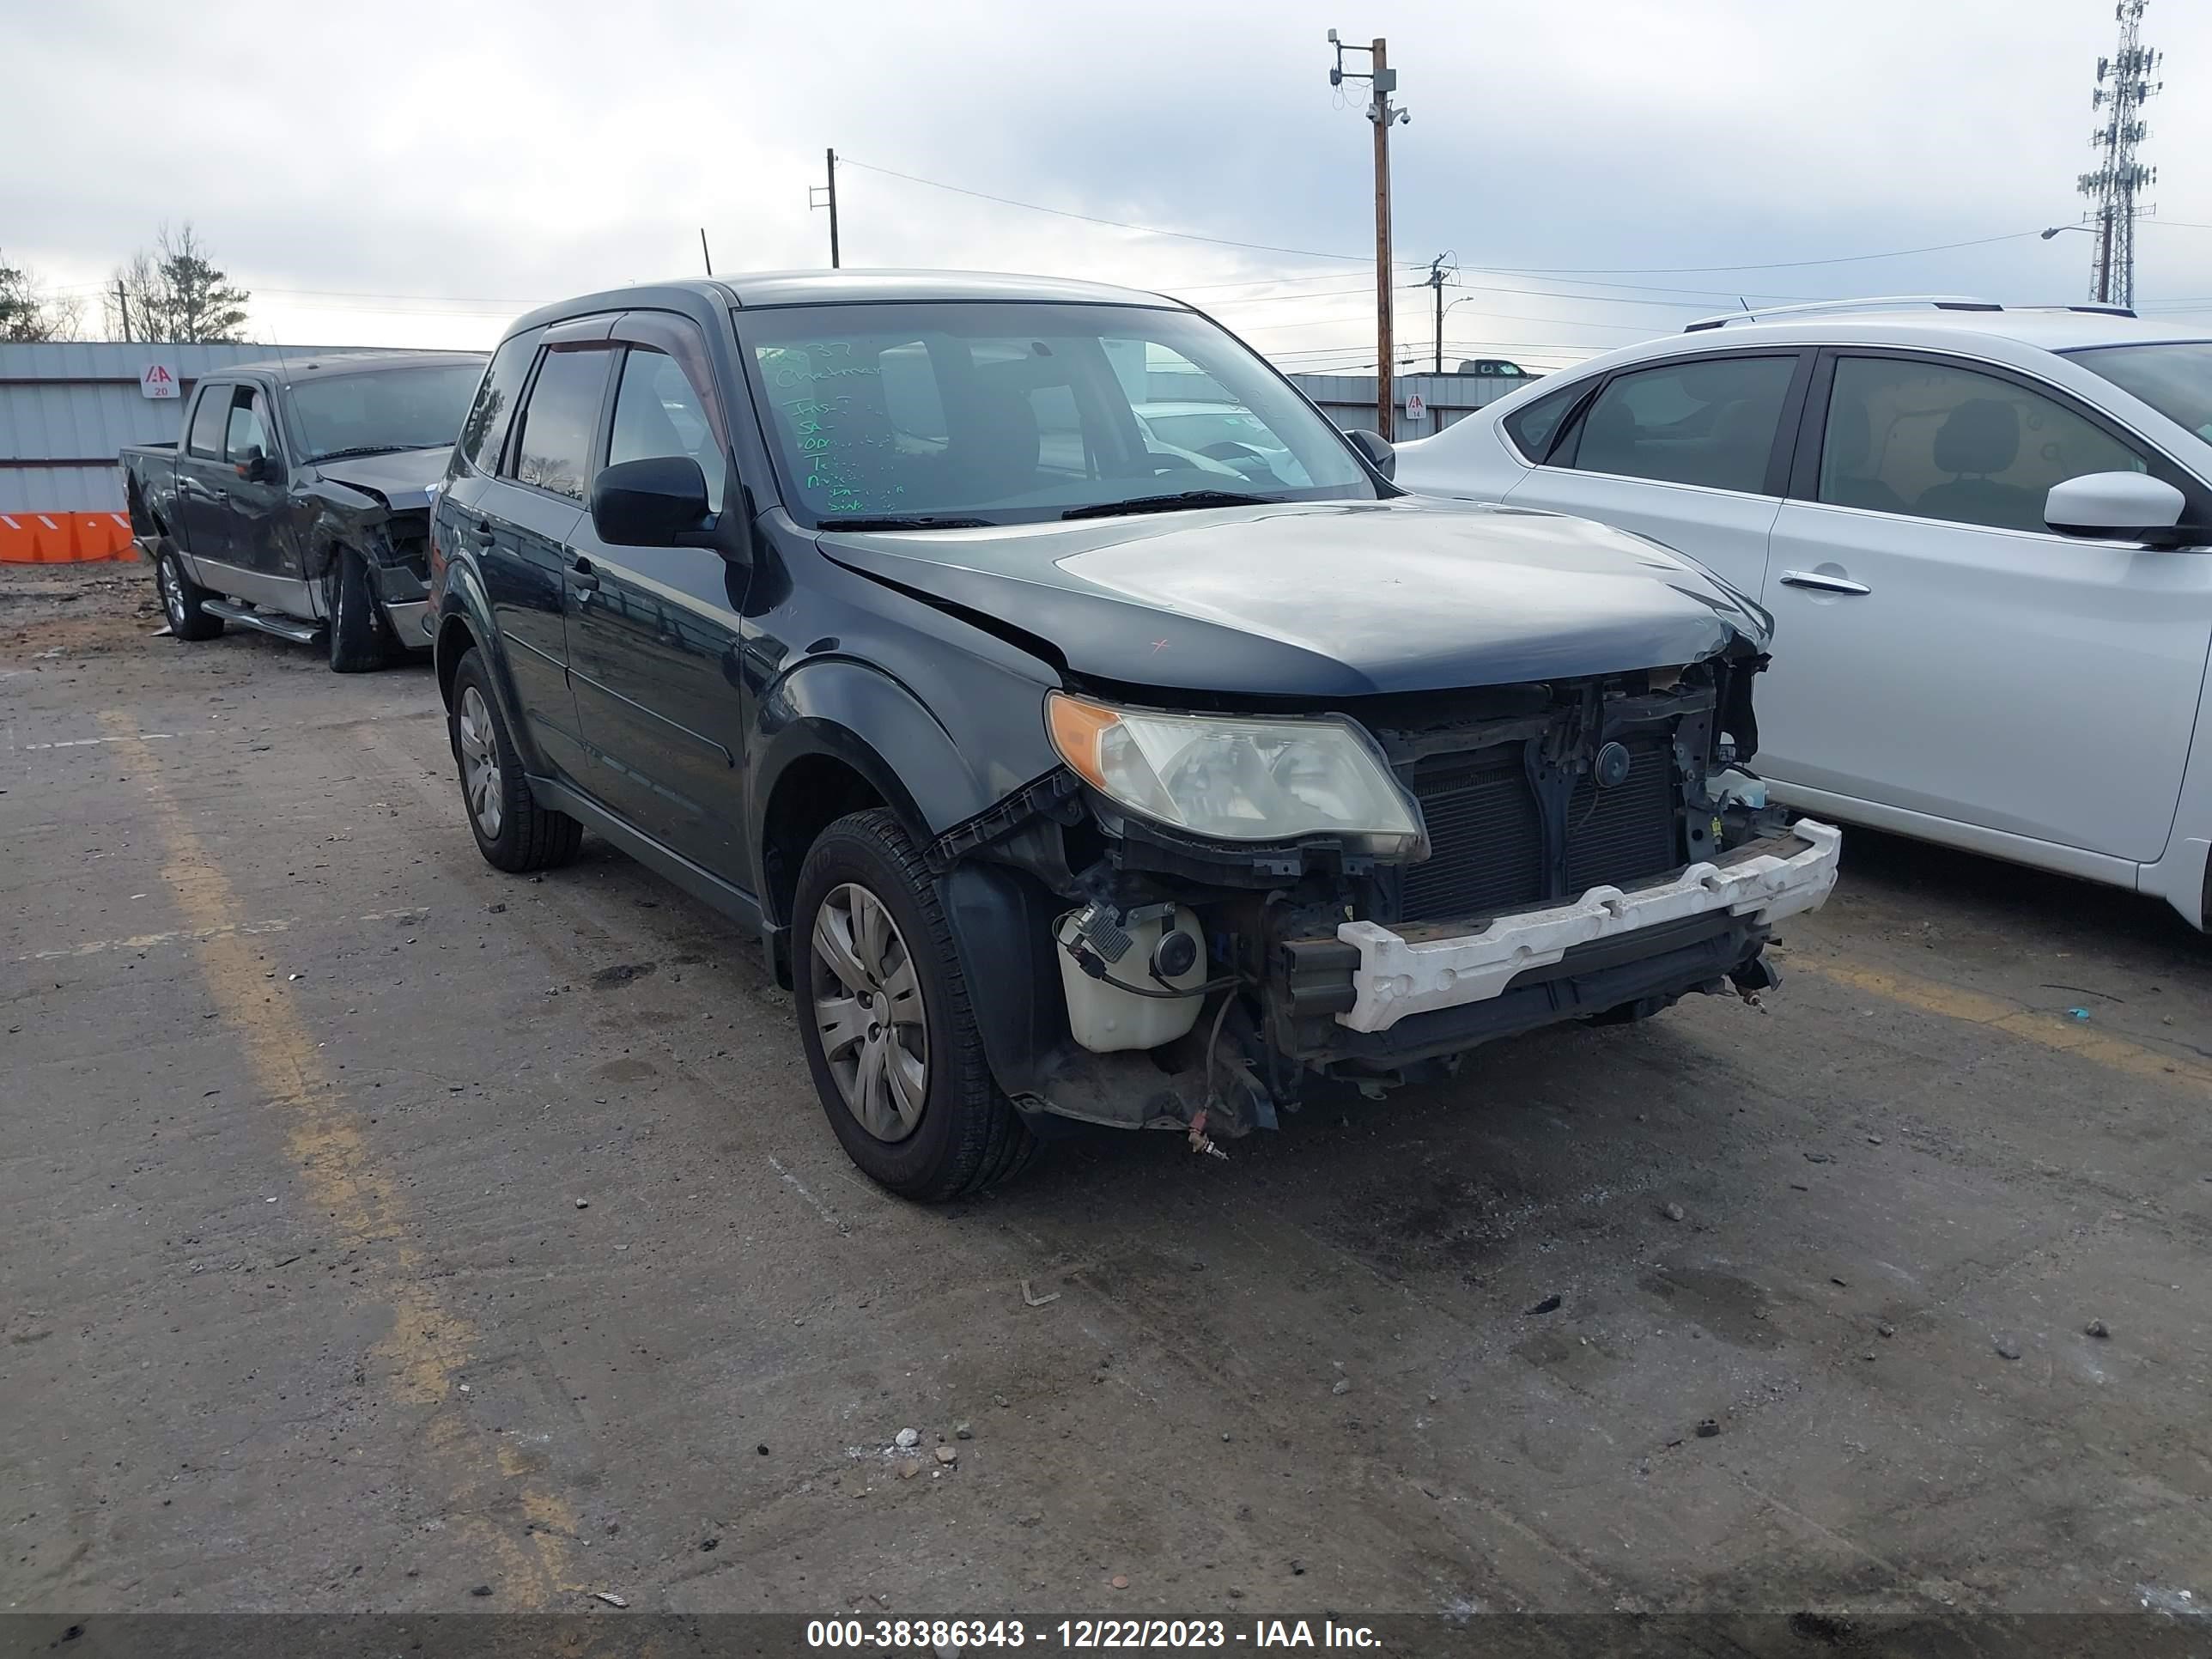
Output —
<point x="1398" y="977"/>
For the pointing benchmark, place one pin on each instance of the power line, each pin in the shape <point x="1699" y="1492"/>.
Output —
<point x="1094" y="219"/>
<point x="1503" y="316"/>
<point x="1509" y="271"/>
<point x="1776" y="264"/>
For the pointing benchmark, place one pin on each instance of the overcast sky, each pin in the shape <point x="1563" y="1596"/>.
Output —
<point x="387" y="173"/>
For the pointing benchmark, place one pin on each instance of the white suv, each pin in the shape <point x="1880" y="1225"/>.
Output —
<point x="1985" y="536"/>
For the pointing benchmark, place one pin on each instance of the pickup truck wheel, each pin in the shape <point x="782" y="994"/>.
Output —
<point x="885" y="1020"/>
<point x="356" y="624"/>
<point x="180" y="600"/>
<point x="513" y="831"/>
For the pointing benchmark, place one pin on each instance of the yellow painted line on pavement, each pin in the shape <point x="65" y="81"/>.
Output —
<point x="430" y="1343"/>
<point x="93" y="947"/>
<point x="2077" y="1037"/>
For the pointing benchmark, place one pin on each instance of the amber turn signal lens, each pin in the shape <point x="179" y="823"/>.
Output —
<point x="1076" y="727"/>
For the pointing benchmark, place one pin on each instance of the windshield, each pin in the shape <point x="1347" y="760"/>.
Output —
<point x="2175" y="379"/>
<point x="381" y="410"/>
<point x="1009" y="413"/>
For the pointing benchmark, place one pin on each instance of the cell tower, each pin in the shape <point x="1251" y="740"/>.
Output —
<point x="2124" y="83"/>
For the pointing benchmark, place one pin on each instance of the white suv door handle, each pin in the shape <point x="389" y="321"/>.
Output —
<point x="1823" y="584"/>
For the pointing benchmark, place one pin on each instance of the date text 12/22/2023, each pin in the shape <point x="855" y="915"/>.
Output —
<point x="946" y="1635"/>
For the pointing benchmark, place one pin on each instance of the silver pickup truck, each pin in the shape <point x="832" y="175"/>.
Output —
<point x="297" y="500"/>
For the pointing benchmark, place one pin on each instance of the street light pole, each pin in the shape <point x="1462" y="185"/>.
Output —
<point x="2102" y="230"/>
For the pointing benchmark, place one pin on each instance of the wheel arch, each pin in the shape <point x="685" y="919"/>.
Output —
<point x="461" y="627"/>
<point x="841" y="722"/>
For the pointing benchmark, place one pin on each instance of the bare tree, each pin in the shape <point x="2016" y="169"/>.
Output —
<point x="176" y="291"/>
<point x="29" y="310"/>
<point x="134" y="305"/>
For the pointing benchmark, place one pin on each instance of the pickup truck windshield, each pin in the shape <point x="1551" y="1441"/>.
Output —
<point x="1010" y="412"/>
<point x="2173" y="379"/>
<point x="379" y="410"/>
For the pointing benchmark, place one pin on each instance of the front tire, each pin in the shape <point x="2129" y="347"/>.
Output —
<point x="885" y="1020"/>
<point x="513" y="831"/>
<point x="356" y="625"/>
<point x="181" y="599"/>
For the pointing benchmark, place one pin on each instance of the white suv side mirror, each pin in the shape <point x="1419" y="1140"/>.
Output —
<point x="2116" y="506"/>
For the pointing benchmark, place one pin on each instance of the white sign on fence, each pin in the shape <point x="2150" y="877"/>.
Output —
<point x="1415" y="408"/>
<point x="154" y="381"/>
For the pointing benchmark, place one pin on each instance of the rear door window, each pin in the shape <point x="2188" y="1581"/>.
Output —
<point x="209" y="417"/>
<point x="1935" y="442"/>
<point x="1709" y="422"/>
<point x="560" y="425"/>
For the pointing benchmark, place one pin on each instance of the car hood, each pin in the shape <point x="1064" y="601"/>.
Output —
<point x="1323" y="599"/>
<point x="403" y="478"/>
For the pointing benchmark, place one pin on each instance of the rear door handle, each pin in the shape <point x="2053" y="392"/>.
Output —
<point x="1820" y="583"/>
<point x="481" y="534"/>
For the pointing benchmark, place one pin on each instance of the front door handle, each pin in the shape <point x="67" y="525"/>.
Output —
<point x="581" y="575"/>
<point x="1820" y="583"/>
<point x="481" y="534"/>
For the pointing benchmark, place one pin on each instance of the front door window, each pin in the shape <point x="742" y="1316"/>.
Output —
<point x="1940" y="442"/>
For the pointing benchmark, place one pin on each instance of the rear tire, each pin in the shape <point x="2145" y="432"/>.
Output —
<point x="357" y="622"/>
<point x="181" y="599"/>
<point x="512" y="830"/>
<point x="884" y="1018"/>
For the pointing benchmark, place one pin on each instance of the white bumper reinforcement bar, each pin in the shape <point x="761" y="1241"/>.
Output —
<point x="1398" y="977"/>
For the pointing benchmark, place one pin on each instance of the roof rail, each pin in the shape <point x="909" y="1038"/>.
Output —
<point x="1939" y="301"/>
<point x="2094" y="310"/>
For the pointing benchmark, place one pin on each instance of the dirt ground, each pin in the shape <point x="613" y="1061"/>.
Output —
<point x="387" y="1233"/>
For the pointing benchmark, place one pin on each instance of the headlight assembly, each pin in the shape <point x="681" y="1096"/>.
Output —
<point x="1228" y="777"/>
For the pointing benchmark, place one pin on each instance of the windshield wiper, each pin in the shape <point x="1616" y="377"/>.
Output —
<point x="1187" y="498"/>
<point x="918" y="521"/>
<point x="370" y="449"/>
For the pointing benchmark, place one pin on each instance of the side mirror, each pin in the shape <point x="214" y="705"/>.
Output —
<point x="258" y="468"/>
<point x="1376" y="448"/>
<point x="2130" y="507"/>
<point x="653" y="502"/>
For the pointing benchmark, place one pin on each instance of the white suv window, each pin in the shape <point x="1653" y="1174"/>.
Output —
<point x="1939" y="442"/>
<point x="1709" y="422"/>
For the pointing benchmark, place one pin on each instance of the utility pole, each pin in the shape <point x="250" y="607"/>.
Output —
<point x="703" y="254"/>
<point x="123" y="308"/>
<point x="826" y="196"/>
<point x="1437" y="284"/>
<point x="2124" y="84"/>
<point x="1384" y="80"/>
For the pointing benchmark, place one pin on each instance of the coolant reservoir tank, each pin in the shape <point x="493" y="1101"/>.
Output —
<point x="1106" y="1019"/>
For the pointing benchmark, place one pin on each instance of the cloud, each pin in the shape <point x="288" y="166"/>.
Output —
<point x="420" y="173"/>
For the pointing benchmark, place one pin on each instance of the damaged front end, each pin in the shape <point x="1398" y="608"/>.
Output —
<point x="392" y="535"/>
<point x="1229" y="905"/>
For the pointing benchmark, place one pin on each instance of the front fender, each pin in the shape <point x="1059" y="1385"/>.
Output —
<point x="332" y="516"/>
<point x="859" y="714"/>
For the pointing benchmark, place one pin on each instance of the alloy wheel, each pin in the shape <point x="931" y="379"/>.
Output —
<point x="868" y="1009"/>
<point x="172" y="592"/>
<point x="480" y="779"/>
